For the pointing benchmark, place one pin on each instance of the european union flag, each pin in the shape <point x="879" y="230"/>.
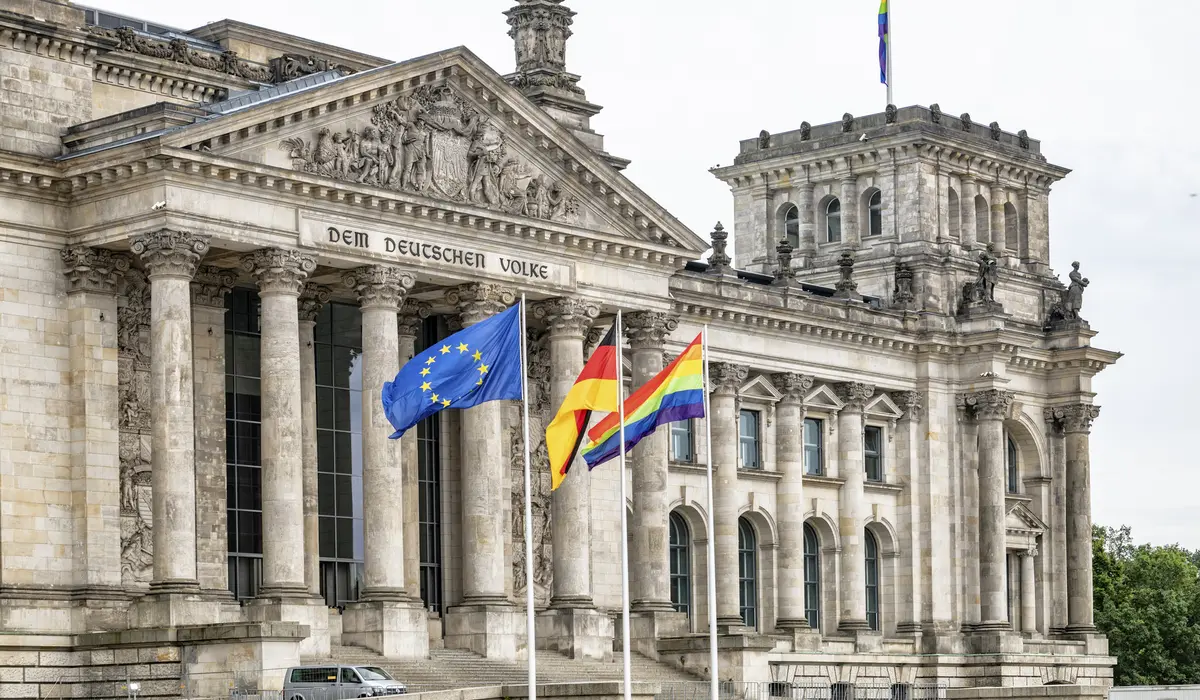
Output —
<point x="475" y="365"/>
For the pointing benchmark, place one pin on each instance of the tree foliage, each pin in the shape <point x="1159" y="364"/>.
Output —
<point x="1147" y="600"/>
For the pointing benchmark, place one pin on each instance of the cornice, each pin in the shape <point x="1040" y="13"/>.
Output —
<point x="284" y="43"/>
<point x="177" y="81"/>
<point x="29" y="35"/>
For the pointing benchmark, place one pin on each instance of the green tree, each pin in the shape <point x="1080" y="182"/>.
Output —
<point x="1147" y="601"/>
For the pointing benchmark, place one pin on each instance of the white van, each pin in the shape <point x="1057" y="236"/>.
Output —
<point x="337" y="682"/>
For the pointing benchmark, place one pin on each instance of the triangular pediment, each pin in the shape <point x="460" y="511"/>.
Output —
<point x="822" y="397"/>
<point x="1021" y="519"/>
<point x="444" y="127"/>
<point x="883" y="407"/>
<point x="760" y="388"/>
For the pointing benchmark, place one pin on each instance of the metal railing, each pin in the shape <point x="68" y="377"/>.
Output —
<point x="803" y="690"/>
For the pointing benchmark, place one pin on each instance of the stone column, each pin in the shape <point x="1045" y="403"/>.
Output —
<point x="1056" y="567"/>
<point x="808" y="223"/>
<point x="311" y="300"/>
<point x="997" y="200"/>
<point x="410" y="324"/>
<point x="170" y="258"/>
<point x="967" y="204"/>
<point x="1028" y="592"/>
<point x="725" y="380"/>
<point x="93" y="276"/>
<point x="1077" y="425"/>
<point x="849" y="202"/>
<point x="209" y="288"/>
<point x="789" y="446"/>
<point x="486" y="623"/>
<point x="912" y="518"/>
<point x="573" y="626"/>
<point x="852" y="513"/>
<point x="989" y="409"/>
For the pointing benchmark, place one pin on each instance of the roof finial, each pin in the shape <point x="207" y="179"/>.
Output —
<point x="540" y="29"/>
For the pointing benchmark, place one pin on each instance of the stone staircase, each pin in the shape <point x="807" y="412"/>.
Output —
<point x="446" y="669"/>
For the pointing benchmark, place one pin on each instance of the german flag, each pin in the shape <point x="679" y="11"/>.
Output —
<point x="594" y="390"/>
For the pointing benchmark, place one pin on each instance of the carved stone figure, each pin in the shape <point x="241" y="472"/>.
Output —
<point x="291" y="66"/>
<point x="805" y="131"/>
<point x="994" y="128"/>
<point x="965" y="120"/>
<point x="847" y="122"/>
<point x="539" y="416"/>
<point x="1071" y="300"/>
<point x="889" y="114"/>
<point x="980" y="293"/>
<point x="1023" y="139"/>
<point x="764" y="140"/>
<point x="133" y="392"/>
<point x="935" y="112"/>
<point x="540" y="30"/>
<point x="902" y="293"/>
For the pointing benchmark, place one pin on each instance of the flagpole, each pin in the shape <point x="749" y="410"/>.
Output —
<point x="624" y="518"/>
<point x="531" y="643"/>
<point x="712" y="549"/>
<point x="888" y="49"/>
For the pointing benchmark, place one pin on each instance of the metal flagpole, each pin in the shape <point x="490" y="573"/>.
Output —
<point x="624" y="517"/>
<point x="712" y="547"/>
<point x="530" y="645"/>
<point x="888" y="51"/>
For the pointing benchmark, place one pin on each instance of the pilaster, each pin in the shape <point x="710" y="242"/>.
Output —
<point x="911" y="523"/>
<point x="1057" y="551"/>
<point x="967" y="204"/>
<point x="410" y="325"/>
<point x="790" y="506"/>
<point x="851" y="505"/>
<point x="1076" y="421"/>
<point x="725" y="380"/>
<point x="989" y="409"/>
<point x="311" y="301"/>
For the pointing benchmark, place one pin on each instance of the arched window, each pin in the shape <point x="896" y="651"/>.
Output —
<point x="748" y="572"/>
<point x="871" y="547"/>
<point x="681" y="564"/>
<point x="875" y="214"/>
<point x="1011" y="223"/>
<point x="1014" y="477"/>
<point x="833" y="221"/>
<point x="982" y="222"/>
<point x="791" y="225"/>
<point x="954" y="214"/>
<point x="812" y="577"/>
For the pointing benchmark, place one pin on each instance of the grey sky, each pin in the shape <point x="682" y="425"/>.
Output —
<point x="1110" y="90"/>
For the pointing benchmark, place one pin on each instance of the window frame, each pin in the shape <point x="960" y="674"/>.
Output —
<point x="680" y="572"/>
<point x="812" y="584"/>
<point x="791" y="214"/>
<point x="833" y="216"/>
<point x="878" y="454"/>
<point x="1012" y="465"/>
<point x="756" y="439"/>
<point x="748" y="592"/>
<point x="819" y="422"/>
<point x="875" y="213"/>
<point x="687" y="429"/>
<point x="871" y="579"/>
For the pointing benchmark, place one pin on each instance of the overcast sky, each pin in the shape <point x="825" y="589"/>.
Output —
<point x="1109" y="88"/>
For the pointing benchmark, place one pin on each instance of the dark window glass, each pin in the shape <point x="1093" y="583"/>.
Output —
<point x="871" y="547"/>
<point x="833" y="221"/>
<point x="349" y="676"/>
<point x="748" y="572"/>
<point x="873" y="452"/>
<point x="429" y="483"/>
<point x="1014" y="477"/>
<point x="681" y="564"/>
<point x="791" y="226"/>
<point x="682" y="441"/>
<point x="812" y="577"/>
<point x="814" y="457"/>
<point x="243" y="443"/>
<point x="875" y="214"/>
<point x="900" y="691"/>
<point x="749" y="439"/>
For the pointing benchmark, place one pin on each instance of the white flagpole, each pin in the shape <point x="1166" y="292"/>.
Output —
<point x="531" y="643"/>
<point x="888" y="52"/>
<point x="712" y="548"/>
<point x="624" y="518"/>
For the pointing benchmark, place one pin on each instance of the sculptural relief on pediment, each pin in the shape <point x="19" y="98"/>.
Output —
<point x="435" y="144"/>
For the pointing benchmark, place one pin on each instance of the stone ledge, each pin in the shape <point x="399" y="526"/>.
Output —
<point x="603" y="689"/>
<point x="1040" y="691"/>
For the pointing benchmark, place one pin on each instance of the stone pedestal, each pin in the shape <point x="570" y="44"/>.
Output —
<point x="397" y="630"/>
<point x="303" y="610"/>
<point x="492" y="631"/>
<point x="174" y="609"/>
<point x="251" y="658"/>
<point x="646" y="628"/>
<point x="577" y="633"/>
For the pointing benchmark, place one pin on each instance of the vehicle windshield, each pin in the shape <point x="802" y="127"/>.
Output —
<point x="372" y="673"/>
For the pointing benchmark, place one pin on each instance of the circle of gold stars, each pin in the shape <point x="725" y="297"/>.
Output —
<point x="427" y="387"/>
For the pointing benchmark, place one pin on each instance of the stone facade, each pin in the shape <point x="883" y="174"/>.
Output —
<point x="899" y="412"/>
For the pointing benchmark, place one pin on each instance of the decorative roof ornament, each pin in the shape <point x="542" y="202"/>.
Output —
<point x="979" y="294"/>
<point x="847" y="288"/>
<point x="902" y="292"/>
<point x="1023" y="139"/>
<point x="805" y="131"/>
<point x="994" y="127"/>
<point x="935" y="111"/>
<point x="764" y="140"/>
<point x="847" y="123"/>
<point x="719" y="261"/>
<point x="889" y="114"/>
<point x="540" y="29"/>
<point x="965" y="118"/>
<point x="1065" y="312"/>
<point x="784" y="273"/>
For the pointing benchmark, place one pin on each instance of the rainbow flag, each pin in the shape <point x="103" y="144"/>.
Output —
<point x="674" y="394"/>
<point x="883" y="41"/>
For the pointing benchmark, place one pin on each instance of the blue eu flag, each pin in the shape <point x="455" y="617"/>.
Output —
<point x="475" y="365"/>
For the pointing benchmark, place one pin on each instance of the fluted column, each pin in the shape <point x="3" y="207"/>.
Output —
<point x="912" y="518"/>
<point x="989" y="409"/>
<point x="852" y="513"/>
<point x="381" y="290"/>
<point x="789" y="450"/>
<point x="1077" y="425"/>
<point x="967" y="204"/>
<point x="209" y="288"/>
<point x="312" y="298"/>
<point x="649" y="588"/>
<point x="997" y="200"/>
<point x="281" y="274"/>
<point x="483" y="489"/>
<point x="808" y="222"/>
<point x="1056" y="548"/>
<point x="725" y="380"/>
<point x="568" y="321"/>
<point x="849" y="202"/>
<point x="170" y="258"/>
<point x="410" y="324"/>
<point x="1028" y="592"/>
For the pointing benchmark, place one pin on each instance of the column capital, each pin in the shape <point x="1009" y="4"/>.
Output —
<point x="992" y="404"/>
<point x="279" y="271"/>
<point x="1031" y="552"/>
<point x="1075" y="418"/>
<point x="793" y="385"/>
<point x="412" y="317"/>
<point x="569" y="316"/>
<point x="312" y="298"/>
<point x="480" y="300"/>
<point x="911" y="402"/>
<point x="966" y="180"/>
<point x="806" y="187"/>
<point x="210" y="285"/>
<point x="380" y="286"/>
<point x="594" y="335"/>
<point x="648" y="330"/>
<point x="726" y="378"/>
<point x="169" y="253"/>
<point x="854" y="395"/>
<point x="93" y="269"/>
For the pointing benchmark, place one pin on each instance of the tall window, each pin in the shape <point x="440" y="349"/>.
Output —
<point x="954" y="214"/>
<point x="814" y="458"/>
<point x="982" y="222"/>
<point x="681" y="563"/>
<point x="683" y="441"/>
<point x="338" y="350"/>
<point x="875" y="214"/>
<point x="812" y="577"/>
<point x="748" y="572"/>
<point x="429" y="483"/>
<point x="1014" y="481"/>
<point x="833" y="221"/>
<point x="243" y="445"/>
<point x="873" y="452"/>
<point x="1012" y="222"/>
<point x="872" y="560"/>
<point x="791" y="225"/>
<point x="749" y="434"/>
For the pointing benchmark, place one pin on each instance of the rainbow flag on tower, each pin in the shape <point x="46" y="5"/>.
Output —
<point x="883" y="41"/>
